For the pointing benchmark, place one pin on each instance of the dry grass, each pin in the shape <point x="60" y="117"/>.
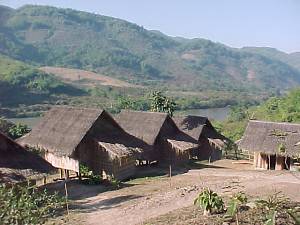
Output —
<point x="85" y="78"/>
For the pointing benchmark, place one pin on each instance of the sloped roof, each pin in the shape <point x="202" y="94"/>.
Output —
<point x="191" y="125"/>
<point x="18" y="164"/>
<point x="62" y="129"/>
<point x="267" y="137"/>
<point x="118" y="150"/>
<point x="195" y="126"/>
<point x="143" y="125"/>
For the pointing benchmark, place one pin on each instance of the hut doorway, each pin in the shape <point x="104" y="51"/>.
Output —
<point x="287" y="163"/>
<point x="271" y="162"/>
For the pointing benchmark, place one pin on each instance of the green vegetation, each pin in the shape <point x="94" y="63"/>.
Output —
<point x="21" y="83"/>
<point x="27" y="205"/>
<point x="18" y="130"/>
<point x="209" y="201"/>
<point x="235" y="203"/>
<point x="87" y="173"/>
<point x="161" y="103"/>
<point x="273" y="204"/>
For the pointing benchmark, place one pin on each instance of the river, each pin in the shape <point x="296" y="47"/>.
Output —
<point x="212" y="113"/>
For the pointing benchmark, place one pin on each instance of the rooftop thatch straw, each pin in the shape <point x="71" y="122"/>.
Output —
<point x="272" y="138"/>
<point x="17" y="164"/>
<point x="62" y="129"/>
<point x="143" y="125"/>
<point x="196" y="126"/>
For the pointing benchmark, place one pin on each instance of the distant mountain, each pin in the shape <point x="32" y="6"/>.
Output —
<point x="292" y="59"/>
<point x="49" y="36"/>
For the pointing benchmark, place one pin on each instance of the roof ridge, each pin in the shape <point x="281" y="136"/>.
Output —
<point x="137" y="111"/>
<point x="76" y="107"/>
<point x="271" y="122"/>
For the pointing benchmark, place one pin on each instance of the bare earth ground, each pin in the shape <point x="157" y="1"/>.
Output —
<point x="85" y="78"/>
<point x="143" y="199"/>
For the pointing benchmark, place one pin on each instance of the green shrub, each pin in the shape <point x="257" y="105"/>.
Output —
<point x="92" y="178"/>
<point x="27" y="205"/>
<point x="209" y="201"/>
<point x="18" y="130"/>
<point x="274" y="203"/>
<point x="235" y="202"/>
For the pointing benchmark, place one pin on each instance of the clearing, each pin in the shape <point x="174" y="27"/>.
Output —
<point x="154" y="195"/>
<point x="85" y="78"/>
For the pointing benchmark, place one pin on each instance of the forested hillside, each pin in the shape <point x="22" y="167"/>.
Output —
<point x="292" y="59"/>
<point x="63" y="37"/>
<point x="24" y="84"/>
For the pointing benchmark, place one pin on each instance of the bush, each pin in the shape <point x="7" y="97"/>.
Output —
<point x="209" y="201"/>
<point x="27" y="205"/>
<point x="92" y="178"/>
<point x="18" y="130"/>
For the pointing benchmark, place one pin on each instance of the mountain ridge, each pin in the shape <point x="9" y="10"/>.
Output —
<point x="50" y="36"/>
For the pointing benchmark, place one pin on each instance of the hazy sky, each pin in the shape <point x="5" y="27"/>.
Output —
<point x="272" y="23"/>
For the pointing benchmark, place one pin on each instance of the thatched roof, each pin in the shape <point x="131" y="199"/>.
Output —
<point x="192" y="125"/>
<point x="271" y="138"/>
<point x="17" y="164"/>
<point x="62" y="129"/>
<point x="195" y="126"/>
<point x="118" y="150"/>
<point x="143" y="125"/>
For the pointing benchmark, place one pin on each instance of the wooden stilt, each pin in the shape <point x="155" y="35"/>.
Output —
<point x="66" y="193"/>
<point x="170" y="174"/>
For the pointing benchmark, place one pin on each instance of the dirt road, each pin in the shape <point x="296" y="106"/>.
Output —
<point x="148" y="198"/>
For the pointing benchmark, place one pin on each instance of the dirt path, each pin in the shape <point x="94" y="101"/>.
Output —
<point x="149" y="198"/>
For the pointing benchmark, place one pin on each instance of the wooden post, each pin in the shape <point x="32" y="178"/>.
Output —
<point x="66" y="192"/>
<point x="170" y="174"/>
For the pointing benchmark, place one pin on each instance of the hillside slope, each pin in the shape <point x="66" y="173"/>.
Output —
<point x="84" y="78"/>
<point x="50" y="36"/>
<point x="292" y="59"/>
<point x="24" y="84"/>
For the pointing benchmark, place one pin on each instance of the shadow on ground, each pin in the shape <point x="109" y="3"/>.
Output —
<point x="105" y="204"/>
<point x="195" y="164"/>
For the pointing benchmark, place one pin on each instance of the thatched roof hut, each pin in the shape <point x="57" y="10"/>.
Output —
<point x="18" y="165"/>
<point x="273" y="143"/>
<point x="272" y="138"/>
<point x="159" y="131"/>
<point x="71" y="136"/>
<point x="201" y="129"/>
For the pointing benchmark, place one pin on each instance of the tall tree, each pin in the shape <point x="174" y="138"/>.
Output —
<point x="161" y="103"/>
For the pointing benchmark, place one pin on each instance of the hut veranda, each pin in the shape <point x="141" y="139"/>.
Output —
<point x="70" y="137"/>
<point x="17" y="165"/>
<point x="200" y="128"/>
<point x="166" y="143"/>
<point x="273" y="144"/>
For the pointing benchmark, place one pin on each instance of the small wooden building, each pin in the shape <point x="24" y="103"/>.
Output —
<point x="200" y="128"/>
<point x="72" y="136"/>
<point x="273" y="144"/>
<point x="166" y="143"/>
<point x="19" y="165"/>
